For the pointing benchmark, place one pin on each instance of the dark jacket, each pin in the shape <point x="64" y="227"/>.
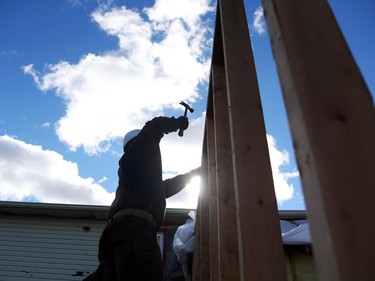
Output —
<point x="140" y="172"/>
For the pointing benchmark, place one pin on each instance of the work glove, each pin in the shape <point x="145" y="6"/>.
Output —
<point x="183" y="123"/>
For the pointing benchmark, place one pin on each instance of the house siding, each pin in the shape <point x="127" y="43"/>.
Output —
<point x="60" y="242"/>
<point x="47" y="248"/>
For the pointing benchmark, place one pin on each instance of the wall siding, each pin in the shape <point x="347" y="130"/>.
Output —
<point x="44" y="248"/>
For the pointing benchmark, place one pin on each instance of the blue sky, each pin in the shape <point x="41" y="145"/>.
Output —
<point x="76" y="75"/>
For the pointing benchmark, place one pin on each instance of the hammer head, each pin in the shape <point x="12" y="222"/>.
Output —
<point x="187" y="107"/>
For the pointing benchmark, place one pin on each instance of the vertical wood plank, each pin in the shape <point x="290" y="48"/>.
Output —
<point x="260" y="245"/>
<point x="226" y="203"/>
<point x="332" y="119"/>
<point x="205" y="246"/>
<point x="197" y="249"/>
<point x="197" y="258"/>
<point x="203" y="230"/>
<point x="212" y="186"/>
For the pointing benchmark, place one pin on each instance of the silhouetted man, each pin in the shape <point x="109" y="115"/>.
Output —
<point x="128" y="248"/>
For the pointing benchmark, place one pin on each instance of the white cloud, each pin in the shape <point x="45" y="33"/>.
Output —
<point x="103" y="179"/>
<point x="28" y="171"/>
<point x="152" y="70"/>
<point x="46" y="125"/>
<point x="284" y="191"/>
<point x="189" y="10"/>
<point x="258" y="21"/>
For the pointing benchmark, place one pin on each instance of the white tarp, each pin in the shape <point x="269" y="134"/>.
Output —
<point x="295" y="232"/>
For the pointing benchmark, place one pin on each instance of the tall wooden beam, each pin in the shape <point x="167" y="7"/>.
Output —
<point x="202" y="248"/>
<point x="226" y="201"/>
<point x="197" y="260"/>
<point x="204" y="210"/>
<point x="259" y="237"/>
<point x="332" y="119"/>
<point x="212" y="187"/>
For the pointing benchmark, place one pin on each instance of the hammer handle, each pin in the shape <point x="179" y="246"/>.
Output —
<point x="181" y="132"/>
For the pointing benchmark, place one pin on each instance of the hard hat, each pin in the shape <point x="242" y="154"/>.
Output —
<point x="129" y="136"/>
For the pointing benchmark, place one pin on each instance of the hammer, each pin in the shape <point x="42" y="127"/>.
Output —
<point x="187" y="107"/>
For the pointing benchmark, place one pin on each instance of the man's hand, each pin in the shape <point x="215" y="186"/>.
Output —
<point x="195" y="172"/>
<point x="183" y="122"/>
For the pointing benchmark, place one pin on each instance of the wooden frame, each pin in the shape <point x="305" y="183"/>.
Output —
<point x="244" y="213"/>
<point x="332" y="119"/>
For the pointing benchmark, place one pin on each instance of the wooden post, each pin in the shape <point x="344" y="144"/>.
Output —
<point x="212" y="186"/>
<point x="205" y="228"/>
<point x="332" y="119"/>
<point x="202" y="253"/>
<point x="226" y="201"/>
<point x="260" y="247"/>
<point x="197" y="261"/>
